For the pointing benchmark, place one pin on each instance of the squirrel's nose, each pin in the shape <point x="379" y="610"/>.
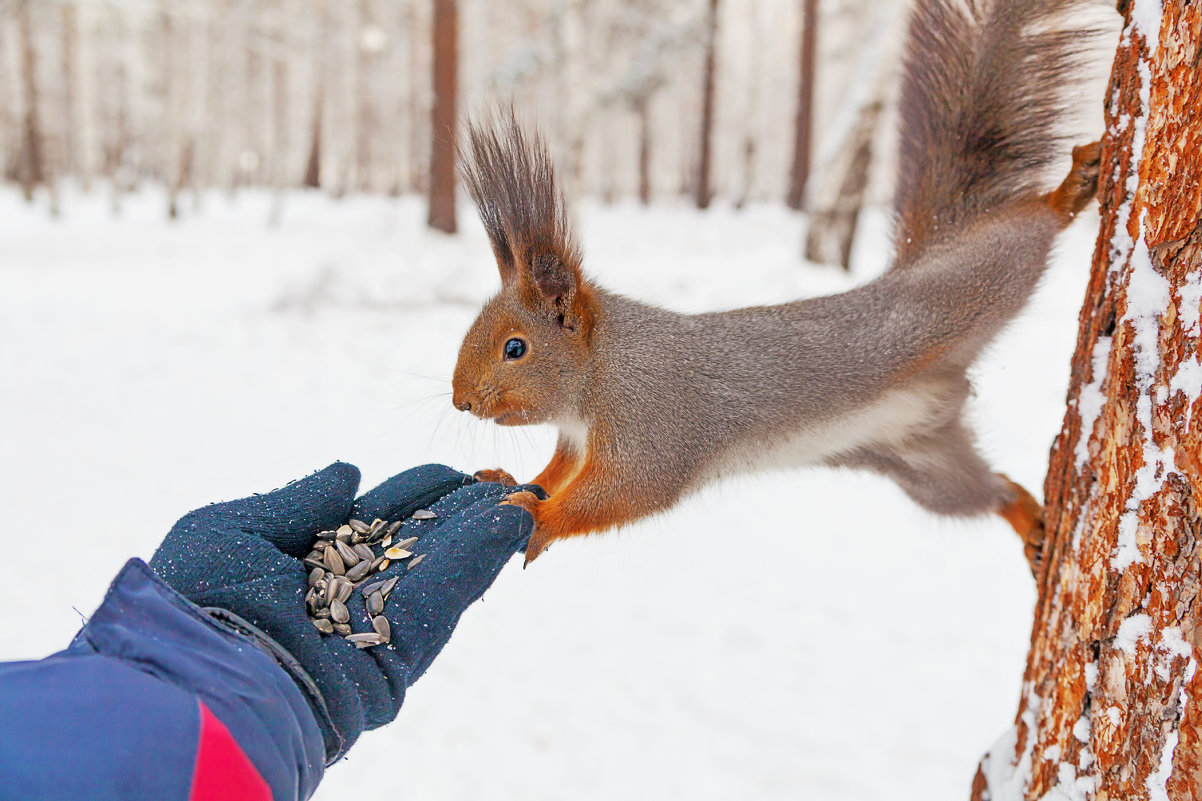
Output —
<point x="464" y="405"/>
<point x="460" y="400"/>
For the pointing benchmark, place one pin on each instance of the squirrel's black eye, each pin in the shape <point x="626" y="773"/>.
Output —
<point x="515" y="348"/>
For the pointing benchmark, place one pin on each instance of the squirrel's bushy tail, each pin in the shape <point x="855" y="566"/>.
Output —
<point x="980" y="105"/>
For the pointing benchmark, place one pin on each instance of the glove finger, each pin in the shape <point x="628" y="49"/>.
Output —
<point x="405" y="493"/>
<point x="291" y="516"/>
<point x="459" y="561"/>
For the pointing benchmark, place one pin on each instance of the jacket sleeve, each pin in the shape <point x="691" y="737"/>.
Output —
<point x="155" y="699"/>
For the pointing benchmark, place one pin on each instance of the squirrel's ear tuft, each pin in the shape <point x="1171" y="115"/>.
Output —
<point x="511" y="179"/>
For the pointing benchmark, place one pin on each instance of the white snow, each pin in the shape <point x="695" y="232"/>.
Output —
<point x="1131" y="631"/>
<point x="811" y="634"/>
<point x="1147" y="297"/>
<point x="1172" y="646"/>
<point x="1090" y="400"/>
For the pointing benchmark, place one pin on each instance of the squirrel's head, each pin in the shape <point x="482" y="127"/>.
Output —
<point x="523" y="361"/>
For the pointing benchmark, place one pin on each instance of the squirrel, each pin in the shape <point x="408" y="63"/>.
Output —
<point x="651" y="405"/>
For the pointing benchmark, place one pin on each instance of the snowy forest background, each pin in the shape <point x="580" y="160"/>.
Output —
<point x="639" y="98"/>
<point x="225" y="277"/>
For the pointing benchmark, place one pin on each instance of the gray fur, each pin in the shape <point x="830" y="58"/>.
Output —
<point x="874" y="378"/>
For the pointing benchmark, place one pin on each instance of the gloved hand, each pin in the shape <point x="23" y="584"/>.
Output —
<point x="245" y="557"/>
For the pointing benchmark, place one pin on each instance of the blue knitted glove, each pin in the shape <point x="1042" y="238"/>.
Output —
<point x="245" y="557"/>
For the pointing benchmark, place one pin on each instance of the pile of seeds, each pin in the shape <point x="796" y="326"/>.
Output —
<point x="344" y="560"/>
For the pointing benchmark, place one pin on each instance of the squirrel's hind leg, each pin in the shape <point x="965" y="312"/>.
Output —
<point x="1025" y="515"/>
<point x="1080" y="185"/>
<point x="944" y="473"/>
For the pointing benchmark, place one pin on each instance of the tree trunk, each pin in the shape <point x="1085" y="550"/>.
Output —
<point x="1111" y="699"/>
<point x="69" y="163"/>
<point x="703" y="194"/>
<point x="442" y="117"/>
<point x="833" y="223"/>
<point x="799" y="175"/>
<point x="312" y="178"/>
<point x="643" y="107"/>
<point x="32" y="170"/>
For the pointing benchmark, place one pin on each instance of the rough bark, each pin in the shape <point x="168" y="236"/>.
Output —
<point x="702" y="192"/>
<point x="799" y="175"/>
<point x="1111" y="698"/>
<point x="442" y="117"/>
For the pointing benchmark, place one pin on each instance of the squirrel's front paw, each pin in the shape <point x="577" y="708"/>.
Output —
<point x="498" y="476"/>
<point x="539" y="540"/>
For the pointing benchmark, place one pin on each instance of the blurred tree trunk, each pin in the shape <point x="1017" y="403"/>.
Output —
<point x="703" y="193"/>
<point x="70" y="162"/>
<point x="1111" y="702"/>
<point x="169" y="123"/>
<point x="32" y="166"/>
<point x="836" y="215"/>
<point x="442" y="117"/>
<point x="279" y="139"/>
<point x="312" y="178"/>
<point x="799" y="174"/>
<point x="643" y="107"/>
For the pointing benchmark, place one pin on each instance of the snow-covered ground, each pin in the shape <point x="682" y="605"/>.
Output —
<point x="808" y="635"/>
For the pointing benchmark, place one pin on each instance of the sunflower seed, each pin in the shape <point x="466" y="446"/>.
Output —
<point x="359" y="525"/>
<point x="406" y="543"/>
<point x="344" y="532"/>
<point x="377" y="525"/>
<point x="327" y="535"/>
<point x="375" y="603"/>
<point x="339" y="612"/>
<point x="324" y="626"/>
<point x="359" y="571"/>
<point x="368" y="589"/>
<point x="365" y="640"/>
<point x="342" y="628"/>
<point x="323" y="612"/>
<point x="393" y="528"/>
<point x="384" y="563"/>
<point x="384" y="543"/>
<point x="423" y="514"/>
<point x="341" y="589"/>
<point x="379" y="560"/>
<point x="364" y="552"/>
<point x="349" y="557"/>
<point x="386" y="587"/>
<point x="316" y="575"/>
<point x="397" y="552"/>
<point x="333" y="562"/>
<point x="311" y="562"/>
<point x="416" y="560"/>
<point x="380" y="624"/>
<point x="311" y="597"/>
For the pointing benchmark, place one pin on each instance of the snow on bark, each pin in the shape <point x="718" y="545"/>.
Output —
<point x="1109" y="699"/>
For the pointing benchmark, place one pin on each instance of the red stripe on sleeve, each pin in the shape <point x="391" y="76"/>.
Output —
<point x="223" y="772"/>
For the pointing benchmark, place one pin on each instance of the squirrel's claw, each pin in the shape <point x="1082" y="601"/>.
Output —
<point x="538" y="541"/>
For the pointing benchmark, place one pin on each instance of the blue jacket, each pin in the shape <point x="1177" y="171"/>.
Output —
<point x="155" y="699"/>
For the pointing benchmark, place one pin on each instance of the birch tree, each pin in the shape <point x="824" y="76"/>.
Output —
<point x="1111" y="698"/>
